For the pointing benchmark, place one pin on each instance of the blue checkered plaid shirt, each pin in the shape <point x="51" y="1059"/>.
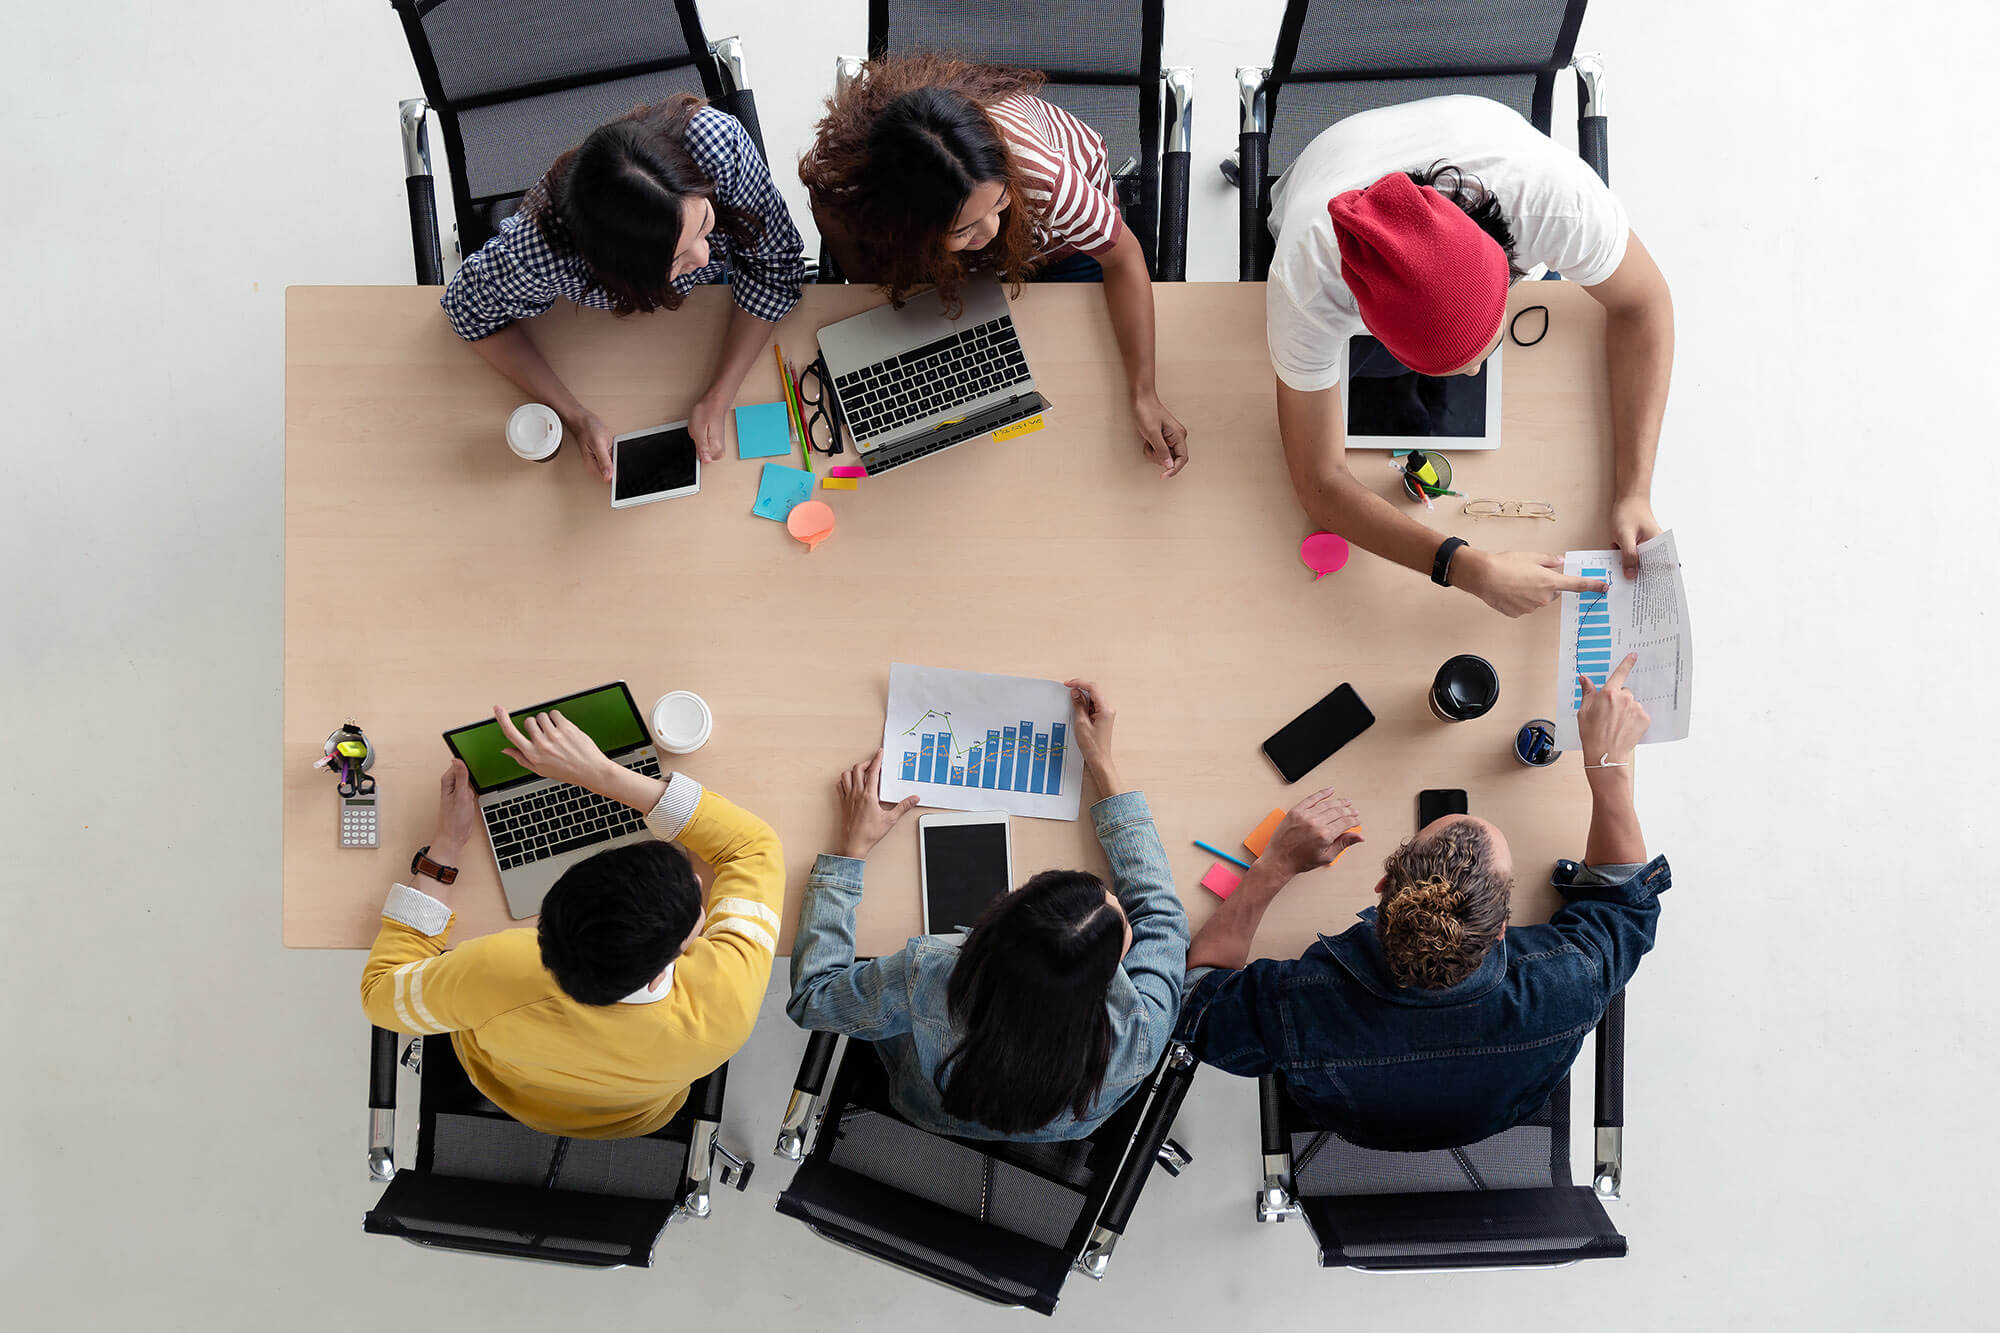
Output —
<point x="520" y="272"/>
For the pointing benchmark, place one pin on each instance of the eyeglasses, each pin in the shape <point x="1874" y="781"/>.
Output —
<point x="1510" y="509"/>
<point x="822" y="410"/>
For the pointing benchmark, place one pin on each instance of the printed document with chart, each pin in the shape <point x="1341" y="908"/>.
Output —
<point x="1647" y="615"/>
<point x="966" y="740"/>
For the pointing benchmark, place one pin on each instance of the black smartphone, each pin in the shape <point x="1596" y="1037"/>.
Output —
<point x="1435" y="803"/>
<point x="1305" y="742"/>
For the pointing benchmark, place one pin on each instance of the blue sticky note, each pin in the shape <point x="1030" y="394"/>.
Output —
<point x="763" y="430"/>
<point x="779" y="489"/>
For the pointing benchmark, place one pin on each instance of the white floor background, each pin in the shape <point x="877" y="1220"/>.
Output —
<point x="1811" y="1064"/>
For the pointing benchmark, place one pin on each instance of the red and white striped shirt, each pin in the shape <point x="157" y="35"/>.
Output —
<point x="1064" y="172"/>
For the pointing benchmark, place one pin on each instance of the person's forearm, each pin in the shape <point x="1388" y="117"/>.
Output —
<point x="615" y="782"/>
<point x="1104" y="774"/>
<point x="1639" y="345"/>
<point x="1615" y="838"/>
<point x="742" y="342"/>
<point x="1226" y="938"/>
<point x="1333" y="497"/>
<point x="514" y="354"/>
<point x="1128" y="293"/>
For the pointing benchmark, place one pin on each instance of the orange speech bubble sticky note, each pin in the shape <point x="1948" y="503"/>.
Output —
<point x="1221" y="880"/>
<point x="1260" y="837"/>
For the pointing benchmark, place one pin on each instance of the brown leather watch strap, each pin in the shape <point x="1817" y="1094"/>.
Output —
<point x="421" y="864"/>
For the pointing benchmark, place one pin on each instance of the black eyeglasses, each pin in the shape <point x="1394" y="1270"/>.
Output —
<point x="822" y="422"/>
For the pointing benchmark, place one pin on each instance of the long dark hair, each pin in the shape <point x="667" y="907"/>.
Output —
<point x="620" y="196"/>
<point x="1028" y="993"/>
<point x="895" y="158"/>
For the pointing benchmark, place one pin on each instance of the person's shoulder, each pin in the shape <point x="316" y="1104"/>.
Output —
<point x="510" y="960"/>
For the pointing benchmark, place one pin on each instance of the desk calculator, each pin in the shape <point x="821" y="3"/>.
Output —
<point x="358" y="822"/>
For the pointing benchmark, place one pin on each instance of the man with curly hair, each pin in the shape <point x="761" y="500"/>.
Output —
<point x="1431" y="1024"/>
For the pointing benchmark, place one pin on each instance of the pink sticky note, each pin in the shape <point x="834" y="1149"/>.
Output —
<point x="856" y="472"/>
<point x="1221" y="880"/>
<point x="1323" y="553"/>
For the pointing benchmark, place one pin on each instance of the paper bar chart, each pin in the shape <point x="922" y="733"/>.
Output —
<point x="1593" y="639"/>
<point x="1027" y="757"/>
<point x="964" y="740"/>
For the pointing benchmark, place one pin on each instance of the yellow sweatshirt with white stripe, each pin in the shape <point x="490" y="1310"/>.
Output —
<point x="593" y="1071"/>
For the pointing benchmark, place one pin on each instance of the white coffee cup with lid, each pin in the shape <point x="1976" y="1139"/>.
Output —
<point x="682" y="722"/>
<point x="534" y="432"/>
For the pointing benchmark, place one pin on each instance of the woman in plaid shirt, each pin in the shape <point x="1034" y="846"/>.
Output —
<point x="662" y="198"/>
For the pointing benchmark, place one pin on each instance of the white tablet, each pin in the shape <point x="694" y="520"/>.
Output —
<point x="658" y="463"/>
<point x="1389" y="406"/>
<point x="968" y="861"/>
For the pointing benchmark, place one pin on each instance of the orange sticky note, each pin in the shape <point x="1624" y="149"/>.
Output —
<point x="1343" y="851"/>
<point x="1260" y="837"/>
<point x="1221" y="880"/>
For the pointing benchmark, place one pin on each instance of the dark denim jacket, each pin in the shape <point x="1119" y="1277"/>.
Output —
<point x="899" y="1003"/>
<point x="1396" y="1067"/>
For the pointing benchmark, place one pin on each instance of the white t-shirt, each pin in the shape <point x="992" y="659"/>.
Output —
<point x="1561" y="214"/>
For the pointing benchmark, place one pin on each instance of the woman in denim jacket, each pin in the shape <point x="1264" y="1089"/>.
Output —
<point x="1049" y="1014"/>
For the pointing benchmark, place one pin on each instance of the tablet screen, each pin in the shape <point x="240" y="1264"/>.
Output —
<point x="965" y="868"/>
<point x="1385" y="397"/>
<point x="661" y="460"/>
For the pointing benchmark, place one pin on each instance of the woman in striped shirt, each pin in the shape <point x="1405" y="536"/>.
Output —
<point x="928" y="169"/>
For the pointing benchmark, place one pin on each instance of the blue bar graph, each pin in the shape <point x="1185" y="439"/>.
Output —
<point x="972" y="774"/>
<point x="958" y="775"/>
<point x="909" y="766"/>
<point x="1017" y="758"/>
<point x="991" y="776"/>
<point x="1593" y="638"/>
<point x="927" y="758"/>
<point x="1041" y="770"/>
<point x="1007" y="759"/>
<point x="1055" y="759"/>
<point x="1024" y="741"/>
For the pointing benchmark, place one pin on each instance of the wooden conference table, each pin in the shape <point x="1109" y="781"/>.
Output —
<point x="430" y="575"/>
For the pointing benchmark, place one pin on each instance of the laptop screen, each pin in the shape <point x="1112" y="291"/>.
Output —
<point x="606" y="714"/>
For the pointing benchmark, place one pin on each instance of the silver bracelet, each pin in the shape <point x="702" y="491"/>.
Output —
<point x="1604" y="761"/>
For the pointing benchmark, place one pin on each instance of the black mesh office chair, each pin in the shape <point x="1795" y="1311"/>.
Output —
<point x="1103" y="65"/>
<point x="1504" y="1202"/>
<point x="1337" y="57"/>
<point x="1005" y="1222"/>
<point x="487" y="1184"/>
<point x="515" y="83"/>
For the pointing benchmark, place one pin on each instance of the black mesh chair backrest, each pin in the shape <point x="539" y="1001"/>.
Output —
<point x="1002" y="1221"/>
<point x="1102" y="59"/>
<point x="1337" y="57"/>
<point x="1506" y="1200"/>
<point x="487" y="1183"/>
<point x="515" y="83"/>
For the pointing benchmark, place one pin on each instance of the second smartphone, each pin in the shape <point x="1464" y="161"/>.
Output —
<point x="1306" y="742"/>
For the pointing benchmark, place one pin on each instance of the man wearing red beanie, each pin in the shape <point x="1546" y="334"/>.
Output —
<point x="1409" y="223"/>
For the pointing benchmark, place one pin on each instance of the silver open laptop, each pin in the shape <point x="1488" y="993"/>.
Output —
<point x="913" y="381"/>
<point x="538" y="828"/>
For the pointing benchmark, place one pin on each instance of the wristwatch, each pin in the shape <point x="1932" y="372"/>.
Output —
<point x="1441" y="563"/>
<point x="421" y="864"/>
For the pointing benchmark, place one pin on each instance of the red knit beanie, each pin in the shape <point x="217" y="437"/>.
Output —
<point x="1429" y="283"/>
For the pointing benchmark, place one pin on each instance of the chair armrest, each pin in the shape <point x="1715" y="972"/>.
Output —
<point x="1168" y="1089"/>
<point x="1593" y="129"/>
<point x="1274" y="1197"/>
<point x="426" y="249"/>
<point x="381" y="1105"/>
<point x="1253" y="148"/>
<point x="802" y="1112"/>
<point x="1174" y="165"/>
<point x="1608" y="1176"/>
<point x="737" y="99"/>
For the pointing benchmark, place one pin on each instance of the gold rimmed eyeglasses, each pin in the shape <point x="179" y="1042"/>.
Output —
<point x="1510" y="509"/>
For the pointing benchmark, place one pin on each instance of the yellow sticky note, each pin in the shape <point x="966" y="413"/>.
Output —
<point x="839" y="484"/>
<point x="1028" y="427"/>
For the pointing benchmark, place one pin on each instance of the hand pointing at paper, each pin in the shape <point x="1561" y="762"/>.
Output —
<point x="1516" y="582"/>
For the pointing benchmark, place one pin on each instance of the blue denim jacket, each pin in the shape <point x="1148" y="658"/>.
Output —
<point x="898" y="1002"/>
<point x="1396" y="1067"/>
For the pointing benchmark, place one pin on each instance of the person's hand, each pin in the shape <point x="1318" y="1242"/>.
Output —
<point x="1632" y="523"/>
<point x="1091" y="719"/>
<point x="1516" y="582"/>
<point x="1161" y="432"/>
<point x="1313" y="832"/>
<point x="705" y="428"/>
<point x="552" y="746"/>
<point x="864" y="819"/>
<point x="593" y="441"/>
<point x="1609" y="721"/>
<point x="458" y="814"/>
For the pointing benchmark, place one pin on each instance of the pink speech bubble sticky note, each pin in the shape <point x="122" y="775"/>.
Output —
<point x="1323" y="553"/>
<point x="1221" y="880"/>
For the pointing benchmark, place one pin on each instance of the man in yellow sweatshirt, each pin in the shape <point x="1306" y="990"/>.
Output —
<point x="593" y="1023"/>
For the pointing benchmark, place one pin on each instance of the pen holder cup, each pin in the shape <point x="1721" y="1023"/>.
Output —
<point x="1443" y="466"/>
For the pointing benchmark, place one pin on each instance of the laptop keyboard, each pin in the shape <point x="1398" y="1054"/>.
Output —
<point x="561" y="819"/>
<point x="931" y="379"/>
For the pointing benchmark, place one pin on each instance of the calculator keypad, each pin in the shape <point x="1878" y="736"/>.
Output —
<point x="359" y="825"/>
